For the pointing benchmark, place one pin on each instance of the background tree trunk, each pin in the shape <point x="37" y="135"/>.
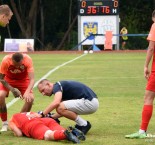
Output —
<point x="27" y="24"/>
<point x="67" y="33"/>
<point x="42" y="22"/>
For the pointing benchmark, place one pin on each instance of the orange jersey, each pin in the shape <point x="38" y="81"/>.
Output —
<point x="13" y="73"/>
<point x="151" y="37"/>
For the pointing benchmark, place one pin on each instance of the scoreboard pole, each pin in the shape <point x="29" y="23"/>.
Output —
<point x="97" y="17"/>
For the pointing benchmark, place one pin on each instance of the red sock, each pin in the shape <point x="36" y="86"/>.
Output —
<point x="59" y="135"/>
<point x="3" y="116"/>
<point x="146" y="116"/>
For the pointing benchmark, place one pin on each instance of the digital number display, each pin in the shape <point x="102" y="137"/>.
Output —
<point x="98" y="7"/>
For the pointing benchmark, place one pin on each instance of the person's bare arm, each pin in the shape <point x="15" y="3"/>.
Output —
<point x="15" y="129"/>
<point x="26" y="95"/>
<point x="15" y="91"/>
<point x="54" y="104"/>
<point x="149" y="55"/>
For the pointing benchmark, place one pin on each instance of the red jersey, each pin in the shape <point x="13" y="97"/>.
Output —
<point x="36" y="127"/>
<point x="151" y="37"/>
<point x="13" y="73"/>
<point x="23" y="123"/>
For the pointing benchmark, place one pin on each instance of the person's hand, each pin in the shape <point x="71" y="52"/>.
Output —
<point x="16" y="93"/>
<point x="34" y="115"/>
<point x="146" y="73"/>
<point x="28" y="97"/>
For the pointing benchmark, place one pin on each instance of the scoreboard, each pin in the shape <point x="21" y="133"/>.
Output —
<point x="97" y="17"/>
<point x="98" y="7"/>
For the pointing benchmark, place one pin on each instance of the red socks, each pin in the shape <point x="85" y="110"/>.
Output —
<point x="59" y="135"/>
<point x="146" y="116"/>
<point x="3" y="116"/>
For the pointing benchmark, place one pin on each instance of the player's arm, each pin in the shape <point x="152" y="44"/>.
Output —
<point x="149" y="55"/>
<point x="15" y="91"/>
<point x="15" y="129"/>
<point x="50" y="108"/>
<point x="26" y="95"/>
<point x="31" y="84"/>
<point x="54" y="104"/>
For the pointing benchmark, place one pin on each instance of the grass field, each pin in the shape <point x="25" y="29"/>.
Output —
<point x="118" y="80"/>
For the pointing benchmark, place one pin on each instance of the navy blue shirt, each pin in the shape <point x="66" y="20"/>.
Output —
<point x="73" y="90"/>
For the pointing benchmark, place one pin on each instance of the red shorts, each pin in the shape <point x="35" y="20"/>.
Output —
<point x="151" y="83"/>
<point x="19" y="84"/>
<point x="38" y="128"/>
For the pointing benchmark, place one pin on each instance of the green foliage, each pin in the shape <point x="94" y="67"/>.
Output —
<point x="136" y="16"/>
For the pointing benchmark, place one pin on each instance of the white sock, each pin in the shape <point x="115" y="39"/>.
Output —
<point x="141" y="131"/>
<point x="80" y="121"/>
<point x="5" y="122"/>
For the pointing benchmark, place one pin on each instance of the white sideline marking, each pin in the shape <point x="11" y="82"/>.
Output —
<point x="9" y="104"/>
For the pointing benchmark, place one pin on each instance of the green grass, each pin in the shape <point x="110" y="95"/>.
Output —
<point x="118" y="80"/>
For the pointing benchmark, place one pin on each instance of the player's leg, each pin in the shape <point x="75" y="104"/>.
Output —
<point x="57" y="132"/>
<point x="71" y="109"/>
<point x="40" y="130"/>
<point x="22" y="86"/>
<point x="123" y="44"/>
<point x="147" y="109"/>
<point x="60" y="135"/>
<point x="3" y="108"/>
<point x="28" y="105"/>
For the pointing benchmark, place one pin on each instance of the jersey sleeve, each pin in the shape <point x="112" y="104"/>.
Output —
<point x="56" y="88"/>
<point x="151" y="36"/>
<point x="4" y="65"/>
<point x="29" y="63"/>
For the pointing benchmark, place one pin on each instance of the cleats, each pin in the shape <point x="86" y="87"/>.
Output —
<point x="136" y="135"/>
<point x="84" y="129"/>
<point x="79" y="134"/>
<point x="71" y="137"/>
<point x="4" y="127"/>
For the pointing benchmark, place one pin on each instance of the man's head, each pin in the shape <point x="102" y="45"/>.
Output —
<point x="5" y="15"/>
<point x="45" y="87"/>
<point x="153" y="16"/>
<point x="17" y="59"/>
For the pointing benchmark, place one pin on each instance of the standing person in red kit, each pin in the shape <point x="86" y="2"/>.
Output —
<point x="17" y="76"/>
<point x="150" y="87"/>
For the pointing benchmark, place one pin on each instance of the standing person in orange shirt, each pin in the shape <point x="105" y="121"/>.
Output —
<point x="17" y="76"/>
<point x="150" y="87"/>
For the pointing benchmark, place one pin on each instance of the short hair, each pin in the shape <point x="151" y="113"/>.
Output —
<point x="5" y="9"/>
<point x="42" y="81"/>
<point x="153" y="14"/>
<point x="17" y="57"/>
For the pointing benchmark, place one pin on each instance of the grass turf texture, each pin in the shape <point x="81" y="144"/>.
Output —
<point x="118" y="80"/>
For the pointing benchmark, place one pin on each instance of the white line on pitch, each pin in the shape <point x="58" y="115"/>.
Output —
<point x="9" y="104"/>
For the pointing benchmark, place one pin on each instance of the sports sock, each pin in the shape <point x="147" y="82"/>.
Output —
<point x="141" y="131"/>
<point x="146" y="116"/>
<point x="59" y="135"/>
<point x="3" y="116"/>
<point x="80" y="121"/>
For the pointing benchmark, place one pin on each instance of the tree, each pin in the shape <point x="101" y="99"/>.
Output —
<point x="26" y="18"/>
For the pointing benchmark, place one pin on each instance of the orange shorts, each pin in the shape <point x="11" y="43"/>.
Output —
<point x="151" y="83"/>
<point x="19" y="84"/>
<point x="39" y="127"/>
